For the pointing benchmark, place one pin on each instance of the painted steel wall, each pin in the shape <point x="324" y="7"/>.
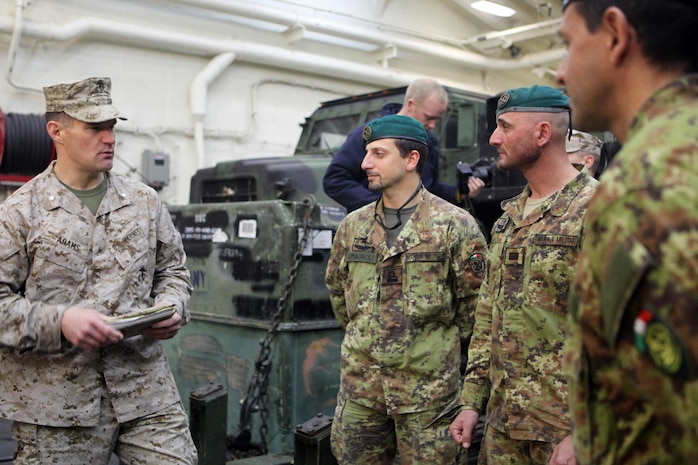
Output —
<point x="214" y="82"/>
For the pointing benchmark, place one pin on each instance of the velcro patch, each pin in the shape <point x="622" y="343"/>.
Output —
<point x="391" y="276"/>
<point x="476" y="263"/>
<point x="514" y="256"/>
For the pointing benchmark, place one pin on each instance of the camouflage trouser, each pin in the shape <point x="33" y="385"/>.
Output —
<point x="161" y="438"/>
<point x="361" y="435"/>
<point x="498" y="449"/>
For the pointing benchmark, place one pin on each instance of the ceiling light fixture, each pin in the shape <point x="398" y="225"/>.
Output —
<point x="493" y="8"/>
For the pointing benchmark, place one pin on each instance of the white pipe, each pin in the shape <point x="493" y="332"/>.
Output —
<point x="257" y="53"/>
<point x="435" y="47"/>
<point x="200" y="83"/>
<point x="227" y="51"/>
<point x="198" y="92"/>
<point x="430" y="45"/>
<point x="176" y="42"/>
<point x="529" y="31"/>
<point x="20" y="5"/>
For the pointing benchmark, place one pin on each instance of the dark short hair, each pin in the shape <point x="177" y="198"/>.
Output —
<point x="667" y="29"/>
<point x="405" y="146"/>
<point x="58" y="116"/>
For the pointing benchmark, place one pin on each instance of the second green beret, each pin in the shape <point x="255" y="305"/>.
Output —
<point x="534" y="99"/>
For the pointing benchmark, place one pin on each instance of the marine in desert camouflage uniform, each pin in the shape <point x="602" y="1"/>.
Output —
<point x="403" y="283"/>
<point x="515" y="357"/>
<point x="634" y="348"/>
<point x="584" y="150"/>
<point x="78" y="244"/>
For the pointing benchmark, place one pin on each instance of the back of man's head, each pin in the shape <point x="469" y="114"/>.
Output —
<point x="421" y="89"/>
<point x="666" y="29"/>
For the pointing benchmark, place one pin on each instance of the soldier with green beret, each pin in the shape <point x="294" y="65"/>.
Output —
<point x="632" y="68"/>
<point x="81" y="244"/>
<point x="403" y="276"/>
<point x="514" y="373"/>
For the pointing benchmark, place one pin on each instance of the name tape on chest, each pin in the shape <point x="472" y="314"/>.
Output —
<point x="362" y="257"/>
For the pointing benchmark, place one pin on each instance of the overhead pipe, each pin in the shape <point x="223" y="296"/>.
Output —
<point x="527" y="32"/>
<point x="181" y="43"/>
<point x="226" y="52"/>
<point x="435" y="47"/>
<point x="292" y="19"/>
<point x="195" y="44"/>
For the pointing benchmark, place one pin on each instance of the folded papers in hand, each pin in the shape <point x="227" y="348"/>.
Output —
<point x="133" y="324"/>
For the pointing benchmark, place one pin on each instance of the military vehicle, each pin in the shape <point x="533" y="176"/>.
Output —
<point x="258" y="364"/>
<point x="463" y="133"/>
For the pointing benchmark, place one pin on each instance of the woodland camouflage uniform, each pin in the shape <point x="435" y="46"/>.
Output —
<point x="633" y="354"/>
<point x="516" y="352"/>
<point x="405" y="309"/>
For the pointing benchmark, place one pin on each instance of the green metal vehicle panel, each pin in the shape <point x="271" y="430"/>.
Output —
<point x="240" y="257"/>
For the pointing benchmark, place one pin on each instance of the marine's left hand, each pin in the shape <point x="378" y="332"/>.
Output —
<point x="564" y="453"/>
<point x="165" y="329"/>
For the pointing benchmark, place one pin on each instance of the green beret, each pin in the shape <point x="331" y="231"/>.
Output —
<point x="535" y="99"/>
<point x="395" y="127"/>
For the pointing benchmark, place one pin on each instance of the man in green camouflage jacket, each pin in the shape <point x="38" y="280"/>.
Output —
<point x="403" y="276"/>
<point x="634" y="348"/>
<point x="515" y="355"/>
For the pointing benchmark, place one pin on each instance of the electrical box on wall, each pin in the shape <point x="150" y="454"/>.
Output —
<point x="156" y="169"/>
